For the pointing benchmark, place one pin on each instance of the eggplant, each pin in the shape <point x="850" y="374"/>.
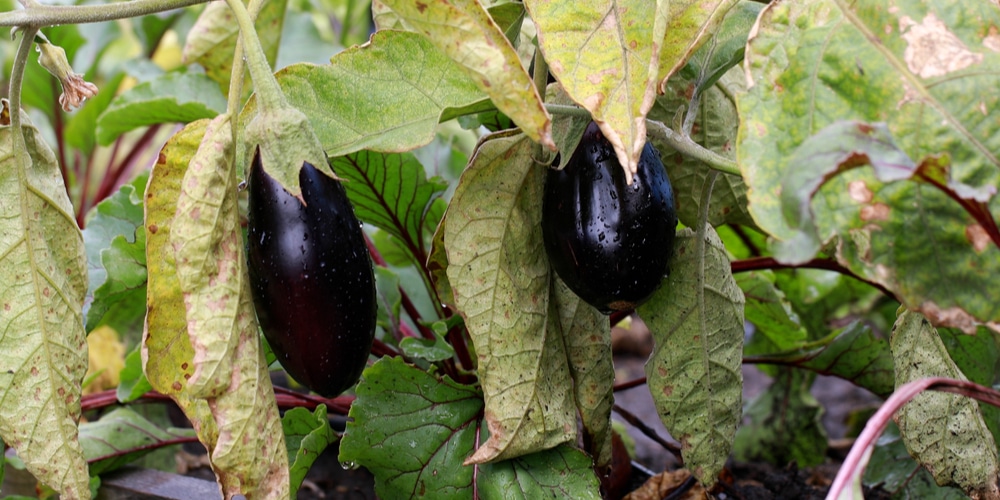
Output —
<point x="311" y="278"/>
<point x="610" y="242"/>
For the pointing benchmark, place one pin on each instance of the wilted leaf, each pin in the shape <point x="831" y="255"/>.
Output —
<point x="412" y="430"/>
<point x="307" y="434"/>
<point x="812" y="64"/>
<point x="500" y="277"/>
<point x="387" y="95"/>
<point x="121" y="437"/>
<point x="116" y="258"/>
<point x="391" y="192"/>
<point x="784" y="424"/>
<point x="42" y="339"/>
<point x="588" y="346"/>
<point x="211" y="42"/>
<point x="946" y="433"/>
<point x="174" y="97"/>
<point x="464" y="31"/>
<point x="694" y="373"/>
<point x="562" y="472"/>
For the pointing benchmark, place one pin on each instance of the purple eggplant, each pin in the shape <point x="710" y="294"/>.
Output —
<point x="610" y="242"/>
<point x="311" y="277"/>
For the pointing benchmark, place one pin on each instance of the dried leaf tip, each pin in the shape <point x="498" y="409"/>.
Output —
<point x="75" y="88"/>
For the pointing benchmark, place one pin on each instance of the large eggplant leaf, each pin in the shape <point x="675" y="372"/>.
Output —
<point x="946" y="433"/>
<point x="238" y="424"/>
<point x="784" y="424"/>
<point x="499" y="275"/>
<point x="917" y="68"/>
<point x="562" y="472"/>
<point x="694" y="373"/>
<point x="42" y="338"/>
<point x="612" y="56"/>
<point x="387" y="95"/>
<point x="122" y="437"/>
<point x="464" y="31"/>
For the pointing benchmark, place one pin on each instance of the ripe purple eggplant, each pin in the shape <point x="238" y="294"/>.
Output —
<point x="610" y="242"/>
<point x="311" y="277"/>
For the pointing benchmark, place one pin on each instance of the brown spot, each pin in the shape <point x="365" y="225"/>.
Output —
<point x="46" y="291"/>
<point x="61" y="391"/>
<point x="662" y="371"/>
<point x="184" y="366"/>
<point x="187" y="376"/>
<point x="668" y="390"/>
<point x="176" y="386"/>
<point x="161" y="159"/>
<point x="859" y="192"/>
<point x="153" y="228"/>
<point x="34" y="371"/>
<point x="992" y="39"/>
<point x="421" y="7"/>
<point x="932" y="49"/>
<point x="6" y="306"/>
<point x="978" y="236"/>
<point x="878" y="211"/>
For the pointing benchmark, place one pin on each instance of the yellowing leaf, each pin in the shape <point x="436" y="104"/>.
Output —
<point x="464" y="30"/>
<point x="106" y="355"/>
<point x="44" y="269"/>
<point x="501" y="278"/>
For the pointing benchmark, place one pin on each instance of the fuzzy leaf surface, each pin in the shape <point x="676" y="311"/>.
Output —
<point x="946" y="433"/>
<point x="464" y="31"/>
<point x="916" y="67"/>
<point x="116" y="258"/>
<point x="387" y="95"/>
<point x="499" y="274"/>
<point x="173" y="97"/>
<point x="42" y="338"/>
<point x="694" y="373"/>
<point x="412" y="430"/>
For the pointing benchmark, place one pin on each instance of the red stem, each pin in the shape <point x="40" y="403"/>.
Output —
<point x="755" y="263"/>
<point x="624" y="386"/>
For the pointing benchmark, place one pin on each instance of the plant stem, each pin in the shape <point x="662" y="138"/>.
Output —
<point x="264" y="83"/>
<point x="754" y="263"/>
<point x="648" y="431"/>
<point x="38" y="16"/>
<point x="684" y="145"/>
<point x="562" y="109"/>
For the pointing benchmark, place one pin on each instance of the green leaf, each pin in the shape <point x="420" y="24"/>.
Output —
<point x="122" y="437"/>
<point x="42" y="265"/>
<point x="784" y="424"/>
<point x="389" y="299"/>
<point x="132" y="381"/>
<point x="769" y="310"/>
<point x="725" y="48"/>
<point x="857" y="355"/>
<point x="174" y="97"/>
<point x="694" y="373"/>
<point x="978" y="356"/>
<point x="116" y="258"/>
<point x="387" y="95"/>
<point x="893" y="469"/>
<point x="391" y="192"/>
<point x="307" y="434"/>
<point x="434" y="350"/>
<point x="212" y="40"/>
<point x="944" y="432"/>
<point x="812" y="64"/>
<point x="588" y="346"/>
<point x="412" y="430"/>
<point x="499" y="273"/>
<point x="715" y="126"/>
<point x="562" y="472"/>
<point x="465" y="32"/>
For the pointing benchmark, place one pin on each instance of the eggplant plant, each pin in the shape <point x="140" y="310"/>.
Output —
<point x="823" y="200"/>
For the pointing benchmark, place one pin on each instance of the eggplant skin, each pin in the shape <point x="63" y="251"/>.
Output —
<point x="608" y="241"/>
<point x="311" y="278"/>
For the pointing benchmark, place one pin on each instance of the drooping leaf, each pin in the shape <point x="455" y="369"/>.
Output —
<point x="588" y="346"/>
<point x="387" y="95"/>
<point x="562" y="472"/>
<point x="412" y="430"/>
<point x="714" y="127"/>
<point x="391" y="192"/>
<point x="694" y="373"/>
<point x="500" y="275"/>
<point x="307" y="434"/>
<point x="784" y="424"/>
<point x="174" y="97"/>
<point x="121" y="437"/>
<point x="946" y="433"/>
<point x="229" y="371"/>
<point x="812" y="64"/>
<point x="42" y="338"/>
<point x="116" y="258"/>
<point x="464" y="31"/>
<point x="212" y="40"/>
